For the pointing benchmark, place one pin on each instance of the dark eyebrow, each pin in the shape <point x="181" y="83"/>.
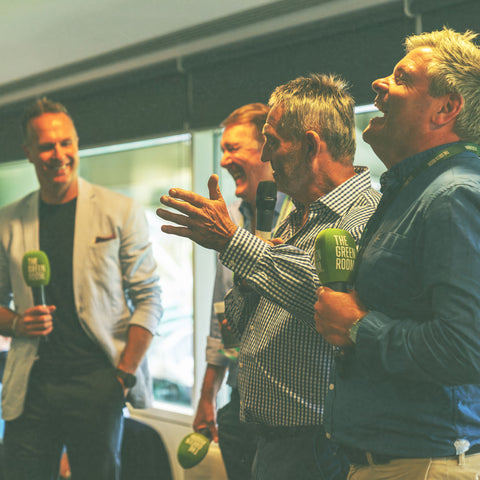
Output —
<point x="270" y="138"/>
<point x="51" y="145"/>
<point x="401" y="71"/>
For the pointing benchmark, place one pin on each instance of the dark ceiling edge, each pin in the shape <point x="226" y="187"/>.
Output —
<point x="197" y="32"/>
<point x="258" y="45"/>
<point x="241" y="48"/>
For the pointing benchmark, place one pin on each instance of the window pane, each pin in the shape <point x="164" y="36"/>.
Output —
<point x="145" y="174"/>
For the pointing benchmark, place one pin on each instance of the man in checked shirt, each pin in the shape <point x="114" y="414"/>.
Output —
<point x="284" y="364"/>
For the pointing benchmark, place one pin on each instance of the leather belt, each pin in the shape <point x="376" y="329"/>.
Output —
<point x="361" y="457"/>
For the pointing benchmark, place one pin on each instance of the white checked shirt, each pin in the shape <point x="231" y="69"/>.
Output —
<point x="284" y="363"/>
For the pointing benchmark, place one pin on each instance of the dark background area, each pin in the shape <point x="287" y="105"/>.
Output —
<point x="167" y="98"/>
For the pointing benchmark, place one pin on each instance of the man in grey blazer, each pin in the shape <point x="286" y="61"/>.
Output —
<point x="73" y="361"/>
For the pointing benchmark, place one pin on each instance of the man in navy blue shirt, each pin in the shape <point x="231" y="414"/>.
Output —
<point x="406" y="400"/>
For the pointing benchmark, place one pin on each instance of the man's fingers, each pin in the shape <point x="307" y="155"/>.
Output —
<point x="185" y="198"/>
<point x="179" y="231"/>
<point x="36" y="325"/>
<point x="179" y="205"/>
<point x="177" y="218"/>
<point x="214" y="188"/>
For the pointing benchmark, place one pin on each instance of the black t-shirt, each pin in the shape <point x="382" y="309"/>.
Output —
<point x="68" y="347"/>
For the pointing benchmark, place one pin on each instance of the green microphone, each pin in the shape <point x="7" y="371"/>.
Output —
<point x="36" y="273"/>
<point x="193" y="448"/>
<point x="335" y="253"/>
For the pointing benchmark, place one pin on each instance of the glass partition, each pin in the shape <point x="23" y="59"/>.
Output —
<point x="144" y="171"/>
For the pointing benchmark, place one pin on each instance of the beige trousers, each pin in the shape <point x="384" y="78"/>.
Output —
<point x="449" y="468"/>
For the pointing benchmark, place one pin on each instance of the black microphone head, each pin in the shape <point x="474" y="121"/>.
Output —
<point x="265" y="203"/>
<point x="266" y="195"/>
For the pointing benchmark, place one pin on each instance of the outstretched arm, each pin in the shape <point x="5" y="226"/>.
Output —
<point x="204" y="220"/>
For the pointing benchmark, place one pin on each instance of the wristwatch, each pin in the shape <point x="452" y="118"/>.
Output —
<point x="352" y="333"/>
<point x="129" y="380"/>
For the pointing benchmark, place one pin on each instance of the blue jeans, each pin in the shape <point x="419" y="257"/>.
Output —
<point x="82" y="412"/>
<point x="237" y="441"/>
<point x="300" y="453"/>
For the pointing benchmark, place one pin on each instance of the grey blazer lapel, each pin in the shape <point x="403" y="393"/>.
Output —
<point x="28" y="218"/>
<point x="84" y="219"/>
<point x="31" y="238"/>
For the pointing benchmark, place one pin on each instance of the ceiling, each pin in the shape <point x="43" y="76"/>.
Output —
<point x="48" y="44"/>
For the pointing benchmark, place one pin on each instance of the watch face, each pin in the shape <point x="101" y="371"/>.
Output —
<point x="129" y="380"/>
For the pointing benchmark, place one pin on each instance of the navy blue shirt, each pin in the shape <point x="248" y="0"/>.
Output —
<point x="68" y="347"/>
<point x="411" y="387"/>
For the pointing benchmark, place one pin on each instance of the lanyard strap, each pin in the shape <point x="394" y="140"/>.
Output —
<point x="376" y="218"/>
<point x="442" y="155"/>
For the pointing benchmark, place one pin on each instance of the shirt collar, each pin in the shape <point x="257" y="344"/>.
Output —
<point x="340" y="198"/>
<point x="397" y="174"/>
<point x="245" y="209"/>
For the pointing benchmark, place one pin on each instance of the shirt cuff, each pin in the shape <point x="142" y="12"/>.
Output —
<point x="242" y="252"/>
<point x="213" y="356"/>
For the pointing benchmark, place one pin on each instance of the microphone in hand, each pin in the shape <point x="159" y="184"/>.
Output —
<point x="36" y="273"/>
<point x="335" y="253"/>
<point x="265" y="201"/>
<point x="193" y="448"/>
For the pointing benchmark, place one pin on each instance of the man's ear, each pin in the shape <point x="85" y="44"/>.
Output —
<point x="449" y="108"/>
<point x="313" y="144"/>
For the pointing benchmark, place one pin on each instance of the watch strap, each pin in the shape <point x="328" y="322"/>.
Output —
<point x="129" y="379"/>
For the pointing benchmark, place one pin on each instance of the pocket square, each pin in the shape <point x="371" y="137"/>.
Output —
<point x="105" y="239"/>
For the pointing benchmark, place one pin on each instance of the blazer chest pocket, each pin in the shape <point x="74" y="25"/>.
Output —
<point x="104" y="252"/>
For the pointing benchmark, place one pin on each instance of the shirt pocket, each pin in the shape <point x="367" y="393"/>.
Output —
<point x="385" y="276"/>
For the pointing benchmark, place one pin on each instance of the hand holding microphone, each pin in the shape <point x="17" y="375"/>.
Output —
<point x="335" y="311"/>
<point x="194" y="448"/>
<point x="36" y="273"/>
<point x="335" y="253"/>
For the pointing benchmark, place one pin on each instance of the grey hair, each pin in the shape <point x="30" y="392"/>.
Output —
<point x="321" y="103"/>
<point x="456" y="69"/>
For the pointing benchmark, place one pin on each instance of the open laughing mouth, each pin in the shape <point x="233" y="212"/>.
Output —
<point x="381" y="108"/>
<point x="237" y="173"/>
<point x="59" y="169"/>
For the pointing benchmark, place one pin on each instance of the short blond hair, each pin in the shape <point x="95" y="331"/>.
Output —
<point x="254" y="113"/>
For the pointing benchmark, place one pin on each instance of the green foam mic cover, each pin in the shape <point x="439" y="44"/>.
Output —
<point x="193" y="448"/>
<point x="335" y="253"/>
<point x="36" y="268"/>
